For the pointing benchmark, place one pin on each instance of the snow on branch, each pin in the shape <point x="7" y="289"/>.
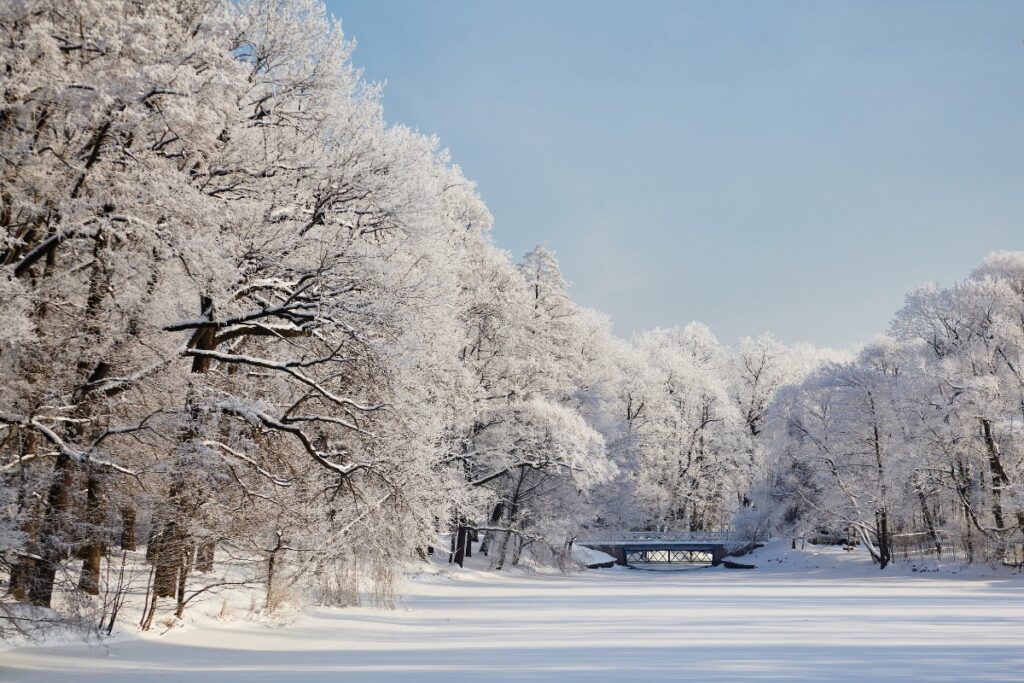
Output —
<point x="86" y="456"/>
<point x="287" y="367"/>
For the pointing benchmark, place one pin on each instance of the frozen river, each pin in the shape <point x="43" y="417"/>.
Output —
<point x="798" y="620"/>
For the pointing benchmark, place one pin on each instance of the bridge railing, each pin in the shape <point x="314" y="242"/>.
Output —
<point x="621" y="537"/>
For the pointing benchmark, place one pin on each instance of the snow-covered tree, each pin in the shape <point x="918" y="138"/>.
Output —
<point x="918" y="440"/>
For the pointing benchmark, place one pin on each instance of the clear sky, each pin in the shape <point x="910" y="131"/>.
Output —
<point x="785" y="167"/>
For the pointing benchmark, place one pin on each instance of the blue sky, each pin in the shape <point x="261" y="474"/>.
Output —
<point x="786" y="167"/>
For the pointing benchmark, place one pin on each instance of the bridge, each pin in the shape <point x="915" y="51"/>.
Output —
<point x="664" y="548"/>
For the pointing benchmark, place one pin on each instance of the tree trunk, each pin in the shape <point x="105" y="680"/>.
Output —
<point x="461" y="539"/>
<point x="89" y="579"/>
<point x="999" y="479"/>
<point x="968" y="537"/>
<point x="929" y="523"/>
<point x="997" y="475"/>
<point x="882" y="533"/>
<point x="128" y="514"/>
<point x="268" y="600"/>
<point x="52" y="541"/>
<point x="496" y="513"/>
<point x="168" y="552"/>
<point x="32" y="509"/>
<point x="152" y="542"/>
<point x="884" y="537"/>
<point x="513" y="511"/>
<point x="518" y="552"/>
<point x="204" y="556"/>
<point x="24" y="567"/>
<point x="21" y="576"/>
<point x="187" y="552"/>
<point x="270" y="603"/>
<point x="95" y="516"/>
<point x="502" y="551"/>
<point x="95" y="510"/>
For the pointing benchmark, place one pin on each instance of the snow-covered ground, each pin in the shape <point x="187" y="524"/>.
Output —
<point x="814" y="615"/>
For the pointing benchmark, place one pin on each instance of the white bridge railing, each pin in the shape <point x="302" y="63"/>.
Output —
<point x="626" y="537"/>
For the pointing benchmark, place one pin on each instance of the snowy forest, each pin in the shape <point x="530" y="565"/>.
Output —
<point x="253" y="334"/>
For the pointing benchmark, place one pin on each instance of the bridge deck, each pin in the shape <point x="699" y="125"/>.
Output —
<point x="701" y="547"/>
<point x="682" y="545"/>
<point x="646" y="537"/>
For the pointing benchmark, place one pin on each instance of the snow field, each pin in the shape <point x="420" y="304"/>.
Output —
<point x="811" y="615"/>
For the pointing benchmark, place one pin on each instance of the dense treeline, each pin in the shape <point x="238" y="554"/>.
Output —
<point x="917" y="445"/>
<point x="261" y="337"/>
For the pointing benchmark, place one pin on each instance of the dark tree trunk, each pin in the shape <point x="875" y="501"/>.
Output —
<point x="24" y="567"/>
<point x="485" y="545"/>
<point x="268" y="600"/>
<point x="962" y="486"/>
<point x="999" y="479"/>
<point x="168" y="552"/>
<point x="997" y="475"/>
<point x="21" y="576"/>
<point x="128" y="514"/>
<point x="884" y="538"/>
<point x="461" y="539"/>
<point x="518" y="552"/>
<point x="513" y="512"/>
<point x="204" y="556"/>
<point x="204" y="338"/>
<point x="89" y="579"/>
<point x="929" y="522"/>
<point x="152" y="542"/>
<point x="271" y="561"/>
<point x="185" y="566"/>
<point x="95" y="515"/>
<point x="52" y="541"/>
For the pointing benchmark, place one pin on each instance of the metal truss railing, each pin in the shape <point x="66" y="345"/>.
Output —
<point x="669" y="557"/>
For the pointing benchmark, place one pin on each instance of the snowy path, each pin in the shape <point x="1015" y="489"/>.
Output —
<point x="615" y="625"/>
